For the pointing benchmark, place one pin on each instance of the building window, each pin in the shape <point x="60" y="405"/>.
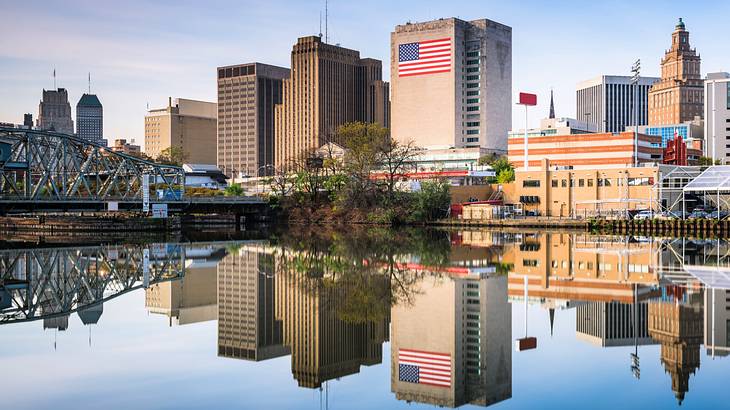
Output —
<point x="590" y="182"/>
<point x="472" y="77"/>
<point x="554" y="183"/>
<point x="471" y="62"/>
<point x="472" y="124"/>
<point x="472" y="70"/>
<point x="472" y="92"/>
<point x="472" y="100"/>
<point x="472" y="85"/>
<point x="604" y="182"/>
<point x="473" y="108"/>
<point x="472" y="54"/>
<point x="472" y="140"/>
<point x="581" y="183"/>
<point x="530" y="262"/>
<point x="472" y="132"/>
<point x="563" y="183"/>
<point x="531" y="183"/>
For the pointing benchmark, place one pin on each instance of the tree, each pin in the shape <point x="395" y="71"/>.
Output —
<point x="487" y="159"/>
<point x="394" y="157"/>
<point x="506" y="175"/>
<point x="362" y="142"/>
<point x="707" y="161"/>
<point x="173" y="155"/>
<point x="234" y="190"/>
<point x="503" y="170"/>
<point x="432" y="201"/>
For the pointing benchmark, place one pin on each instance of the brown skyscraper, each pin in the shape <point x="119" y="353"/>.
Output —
<point x="329" y="86"/>
<point x="247" y="94"/>
<point x="679" y="95"/>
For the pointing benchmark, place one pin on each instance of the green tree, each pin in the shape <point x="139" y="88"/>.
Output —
<point x="363" y="142"/>
<point x="173" y="155"/>
<point x="432" y="201"/>
<point x="234" y="190"/>
<point x="707" y="161"/>
<point x="506" y="175"/>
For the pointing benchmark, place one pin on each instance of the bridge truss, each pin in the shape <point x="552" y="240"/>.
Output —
<point x="55" y="282"/>
<point x="49" y="166"/>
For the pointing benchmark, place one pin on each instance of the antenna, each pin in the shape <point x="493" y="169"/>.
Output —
<point x="89" y="82"/>
<point x="326" y="20"/>
<point x="320" y="24"/>
<point x="54" y="78"/>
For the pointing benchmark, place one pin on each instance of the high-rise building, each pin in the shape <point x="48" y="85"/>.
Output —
<point x="188" y="124"/>
<point x="607" y="102"/>
<point x="28" y="120"/>
<point x="247" y="326"/>
<point x="608" y="324"/>
<point x="678" y="96"/>
<point x="717" y="322"/>
<point x="717" y="116"/>
<point x="90" y="119"/>
<point x="451" y="83"/>
<point x="54" y="112"/>
<point x="247" y="94"/>
<point x="329" y="86"/>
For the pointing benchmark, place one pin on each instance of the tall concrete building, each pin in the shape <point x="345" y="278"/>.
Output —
<point x="717" y="322"/>
<point x="54" y="112"/>
<point x="678" y="96"/>
<point x="607" y="102"/>
<point x="247" y="327"/>
<point x="189" y="124"/>
<point x="90" y="119"/>
<point x="247" y="94"/>
<point x="717" y="116"/>
<point x="608" y="324"/>
<point x="329" y="86"/>
<point x="451" y="84"/>
<point x="468" y="320"/>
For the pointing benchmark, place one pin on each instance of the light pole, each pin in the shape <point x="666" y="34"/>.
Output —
<point x="635" y="70"/>
<point x="527" y="99"/>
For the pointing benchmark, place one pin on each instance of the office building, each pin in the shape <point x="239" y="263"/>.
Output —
<point x="678" y="96"/>
<point x="329" y="86"/>
<point x="54" y="112"/>
<point x="247" y="94"/>
<point x="607" y="102"/>
<point x="187" y="124"/>
<point x="90" y="119"/>
<point x="692" y="132"/>
<point x="610" y="323"/>
<point x="598" y="191"/>
<point x="717" y="321"/>
<point x="129" y="148"/>
<point x="717" y="116"/>
<point x="28" y="121"/>
<point x="247" y="327"/>
<point x="608" y="150"/>
<point x="451" y="84"/>
<point x="468" y="322"/>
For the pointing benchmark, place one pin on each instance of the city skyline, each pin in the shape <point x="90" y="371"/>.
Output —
<point x="131" y="71"/>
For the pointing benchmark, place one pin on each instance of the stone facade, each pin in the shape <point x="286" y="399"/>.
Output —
<point x="468" y="106"/>
<point x="54" y="112"/>
<point x="329" y="86"/>
<point x="679" y="95"/>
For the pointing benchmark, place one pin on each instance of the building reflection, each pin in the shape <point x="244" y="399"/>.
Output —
<point x="467" y="318"/>
<point x="676" y="322"/>
<point x="193" y="298"/>
<point x="717" y="322"/>
<point x="247" y="326"/>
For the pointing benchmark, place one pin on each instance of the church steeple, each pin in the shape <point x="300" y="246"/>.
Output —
<point x="552" y="105"/>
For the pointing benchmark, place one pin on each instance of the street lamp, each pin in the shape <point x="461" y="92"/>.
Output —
<point x="635" y="71"/>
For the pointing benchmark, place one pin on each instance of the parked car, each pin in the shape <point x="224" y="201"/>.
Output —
<point x="698" y="214"/>
<point x="717" y="214"/>
<point x="644" y="214"/>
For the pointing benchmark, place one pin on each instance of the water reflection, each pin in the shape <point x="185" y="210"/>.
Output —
<point x="443" y="299"/>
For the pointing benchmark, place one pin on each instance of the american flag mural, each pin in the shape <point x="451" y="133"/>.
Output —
<point x="424" y="57"/>
<point x="417" y="366"/>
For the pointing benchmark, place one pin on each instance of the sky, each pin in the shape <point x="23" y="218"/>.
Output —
<point x="142" y="52"/>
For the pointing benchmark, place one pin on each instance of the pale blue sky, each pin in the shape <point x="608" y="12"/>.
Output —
<point x="142" y="52"/>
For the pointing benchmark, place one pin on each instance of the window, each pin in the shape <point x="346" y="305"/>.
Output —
<point x="590" y="182"/>
<point x="472" y="70"/>
<point x="472" y="77"/>
<point x="472" y="124"/>
<point x="472" y="92"/>
<point x="473" y="108"/>
<point x="472" y="132"/>
<point x="472" y="140"/>
<point x="470" y="62"/>
<point x="581" y="183"/>
<point x="554" y="183"/>
<point x="472" y="54"/>
<point x="472" y="85"/>
<point x="531" y="183"/>
<point x="563" y="183"/>
<point x="604" y="182"/>
<point x="472" y="100"/>
<point x="530" y="262"/>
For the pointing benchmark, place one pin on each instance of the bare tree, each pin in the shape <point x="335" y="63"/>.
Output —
<point x="395" y="159"/>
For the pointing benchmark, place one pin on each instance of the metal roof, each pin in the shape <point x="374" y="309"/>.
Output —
<point x="714" y="178"/>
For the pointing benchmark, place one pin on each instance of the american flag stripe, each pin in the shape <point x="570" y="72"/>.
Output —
<point x="425" y="367"/>
<point x="424" y="57"/>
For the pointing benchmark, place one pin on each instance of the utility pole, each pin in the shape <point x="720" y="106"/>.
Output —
<point x="635" y="70"/>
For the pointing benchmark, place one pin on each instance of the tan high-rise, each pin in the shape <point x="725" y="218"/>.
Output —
<point x="329" y="86"/>
<point x="189" y="124"/>
<point x="247" y="94"/>
<point x="679" y="95"/>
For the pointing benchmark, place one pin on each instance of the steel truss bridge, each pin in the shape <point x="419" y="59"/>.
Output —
<point x="52" y="283"/>
<point x="48" y="169"/>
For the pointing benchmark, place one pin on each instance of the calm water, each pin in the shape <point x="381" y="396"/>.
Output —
<point x="368" y="319"/>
